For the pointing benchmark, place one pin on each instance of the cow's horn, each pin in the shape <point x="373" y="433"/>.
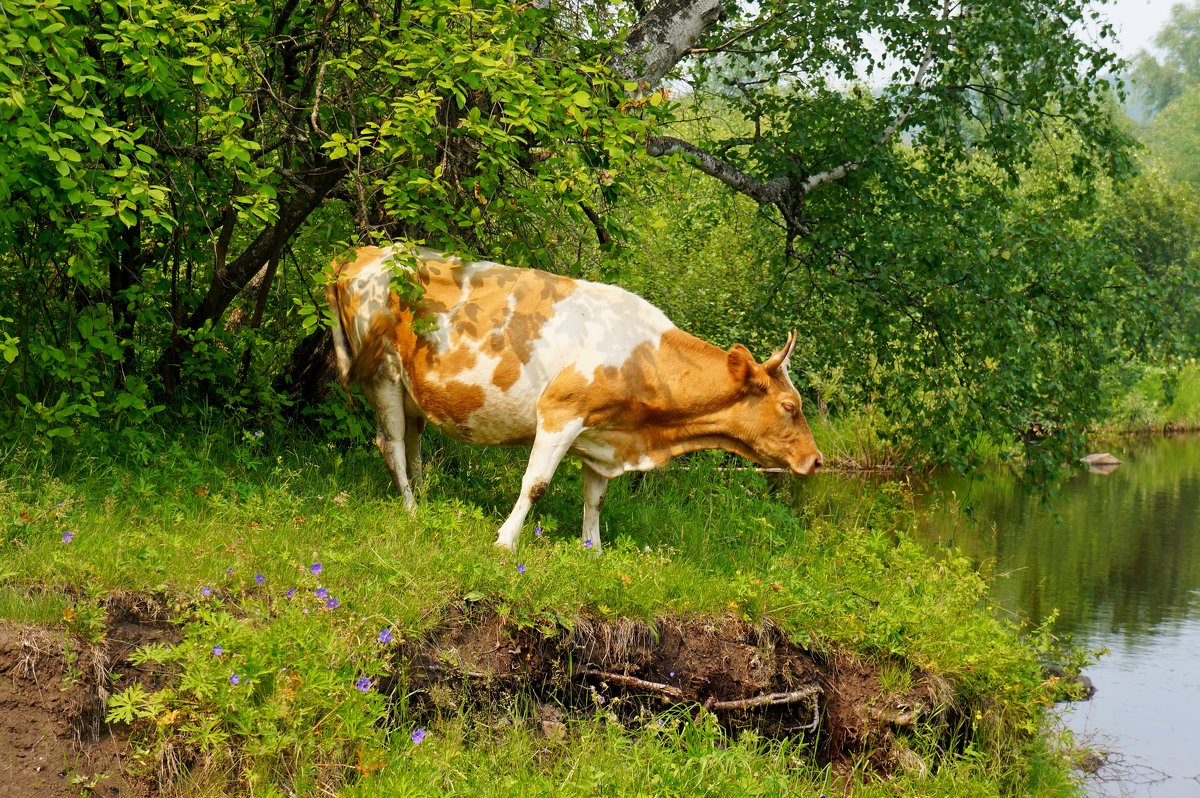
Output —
<point x="780" y="358"/>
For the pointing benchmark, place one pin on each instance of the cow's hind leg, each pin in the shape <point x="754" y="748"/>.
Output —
<point x="414" y="425"/>
<point x="594" y="487"/>
<point x="547" y="453"/>
<point x="391" y="438"/>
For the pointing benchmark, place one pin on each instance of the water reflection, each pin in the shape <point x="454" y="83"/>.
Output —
<point x="1118" y="555"/>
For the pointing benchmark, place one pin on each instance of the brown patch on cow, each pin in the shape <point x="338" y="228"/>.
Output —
<point x="363" y="257"/>
<point x="538" y="491"/>
<point x="453" y="402"/>
<point x="483" y="320"/>
<point x="371" y="349"/>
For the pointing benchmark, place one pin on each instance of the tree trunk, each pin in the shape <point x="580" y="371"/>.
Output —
<point x="228" y="281"/>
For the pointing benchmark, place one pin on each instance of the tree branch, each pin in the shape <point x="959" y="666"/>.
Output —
<point x="765" y="193"/>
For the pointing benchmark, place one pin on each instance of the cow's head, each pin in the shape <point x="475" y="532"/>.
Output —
<point x="767" y="415"/>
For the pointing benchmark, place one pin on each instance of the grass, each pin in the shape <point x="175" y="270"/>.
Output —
<point x="224" y="525"/>
<point x="1160" y="400"/>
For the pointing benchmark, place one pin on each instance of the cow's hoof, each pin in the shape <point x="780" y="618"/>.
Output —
<point x="505" y="544"/>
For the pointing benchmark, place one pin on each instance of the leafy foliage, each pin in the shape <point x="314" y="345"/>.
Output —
<point x="169" y="162"/>
<point x="1161" y="81"/>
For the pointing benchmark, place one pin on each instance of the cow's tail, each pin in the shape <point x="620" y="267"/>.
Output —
<point x="357" y="360"/>
<point x="341" y="345"/>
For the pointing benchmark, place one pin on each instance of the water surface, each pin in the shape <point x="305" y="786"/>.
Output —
<point x="1118" y="557"/>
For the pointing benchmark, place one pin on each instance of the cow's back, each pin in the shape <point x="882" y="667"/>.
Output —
<point x="480" y="346"/>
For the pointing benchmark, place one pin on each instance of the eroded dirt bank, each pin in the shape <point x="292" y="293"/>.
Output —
<point x="54" y="741"/>
<point x="53" y="738"/>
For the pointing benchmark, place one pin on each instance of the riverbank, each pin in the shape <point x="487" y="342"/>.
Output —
<point x="301" y="632"/>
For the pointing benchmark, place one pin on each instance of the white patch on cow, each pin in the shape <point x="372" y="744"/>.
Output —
<point x="596" y="325"/>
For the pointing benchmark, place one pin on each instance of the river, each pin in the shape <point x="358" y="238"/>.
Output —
<point x="1118" y="556"/>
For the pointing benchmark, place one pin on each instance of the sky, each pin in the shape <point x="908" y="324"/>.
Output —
<point x="1137" y="22"/>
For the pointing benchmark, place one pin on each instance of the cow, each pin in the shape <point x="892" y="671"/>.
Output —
<point x="508" y="356"/>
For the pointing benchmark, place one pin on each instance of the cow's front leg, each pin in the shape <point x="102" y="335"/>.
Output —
<point x="594" y="487"/>
<point x="548" y="450"/>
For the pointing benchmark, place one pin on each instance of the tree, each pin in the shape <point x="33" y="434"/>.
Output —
<point x="1174" y="137"/>
<point x="188" y="155"/>
<point x="1160" y="82"/>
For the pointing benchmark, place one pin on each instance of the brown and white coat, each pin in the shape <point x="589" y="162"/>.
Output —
<point x="496" y="355"/>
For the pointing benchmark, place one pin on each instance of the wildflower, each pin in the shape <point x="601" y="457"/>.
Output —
<point x="363" y="684"/>
<point x="672" y="676"/>
<point x="258" y="433"/>
<point x="316" y="568"/>
<point x="322" y="593"/>
<point x="229" y="571"/>
<point x="418" y="735"/>
<point x="520" y="569"/>
<point x="206" y="591"/>
<point x="259" y="579"/>
<point x="331" y="603"/>
<point x="537" y="530"/>
<point x="587" y="544"/>
<point x="235" y="679"/>
<point x="218" y="651"/>
<point x="68" y="536"/>
<point x="385" y="636"/>
<point x="291" y="592"/>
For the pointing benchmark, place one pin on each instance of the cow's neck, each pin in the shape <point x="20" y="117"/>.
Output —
<point x="707" y="418"/>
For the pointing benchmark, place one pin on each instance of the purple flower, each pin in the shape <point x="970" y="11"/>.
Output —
<point x="291" y="592"/>
<point x="259" y="579"/>
<point x="600" y="698"/>
<point x="672" y="676"/>
<point x="235" y="679"/>
<point x="206" y="591"/>
<point x="229" y="571"/>
<point x="218" y="651"/>
<point x="418" y="735"/>
<point x="520" y="569"/>
<point x="68" y="536"/>
<point x="537" y="530"/>
<point x="385" y="636"/>
<point x="316" y="568"/>
<point x="322" y="592"/>
<point x="587" y="544"/>
<point x="331" y="603"/>
<point x="363" y="684"/>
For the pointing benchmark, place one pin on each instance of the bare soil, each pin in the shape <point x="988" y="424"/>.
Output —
<point x="53" y="738"/>
<point x="749" y="675"/>
<point x="54" y="741"/>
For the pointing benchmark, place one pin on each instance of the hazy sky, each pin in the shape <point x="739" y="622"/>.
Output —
<point x="1137" y="22"/>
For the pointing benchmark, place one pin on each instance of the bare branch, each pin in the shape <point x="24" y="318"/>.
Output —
<point x="666" y="690"/>
<point x="767" y="193"/>
<point x="768" y="699"/>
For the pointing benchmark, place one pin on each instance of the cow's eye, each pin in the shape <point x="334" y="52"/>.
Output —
<point x="789" y="408"/>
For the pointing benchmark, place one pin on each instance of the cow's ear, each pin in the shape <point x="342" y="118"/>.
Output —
<point x="779" y="360"/>
<point x="746" y="371"/>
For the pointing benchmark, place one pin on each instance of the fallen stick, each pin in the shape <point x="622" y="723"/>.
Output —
<point x="633" y="681"/>
<point x="766" y="700"/>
